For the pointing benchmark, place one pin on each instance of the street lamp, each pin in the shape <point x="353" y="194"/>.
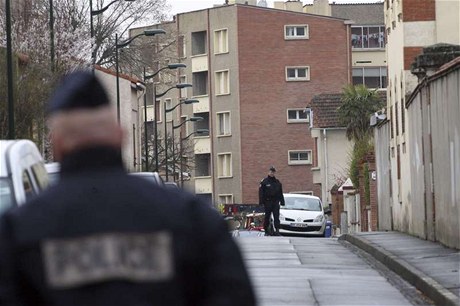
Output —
<point x="147" y="77"/>
<point x="172" y="135"/>
<point x="94" y="13"/>
<point x="122" y="45"/>
<point x="197" y="132"/>
<point x="178" y="86"/>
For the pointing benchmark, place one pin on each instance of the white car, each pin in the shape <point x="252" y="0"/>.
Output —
<point x="22" y="172"/>
<point x="302" y="215"/>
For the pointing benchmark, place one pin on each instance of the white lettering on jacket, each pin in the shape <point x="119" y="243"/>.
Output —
<point x="110" y="256"/>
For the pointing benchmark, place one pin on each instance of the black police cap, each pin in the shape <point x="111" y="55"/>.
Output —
<point x="80" y="89"/>
<point x="272" y="168"/>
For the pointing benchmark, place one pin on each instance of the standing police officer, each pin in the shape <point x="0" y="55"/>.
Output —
<point x="102" y="237"/>
<point x="271" y="196"/>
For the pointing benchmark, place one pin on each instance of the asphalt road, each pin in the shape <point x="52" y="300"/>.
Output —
<point x="292" y="271"/>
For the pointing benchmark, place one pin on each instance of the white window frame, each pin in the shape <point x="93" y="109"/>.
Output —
<point x="227" y="125"/>
<point x="295" y="36"/>
<point x="184" y="46"/>
<point x="220" y="86"/>
<point x="222" y="160"/>
<point x="220" y="44"/>
<point x="300" y="162"/>
<point x="169" y="116"/>
<point x="227" y="198"/>
<point x="296" y="78"/>
<point x="298" y="120"/>
<point x="183" y="91"/>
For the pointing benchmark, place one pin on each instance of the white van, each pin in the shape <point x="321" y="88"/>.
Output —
<point x="22" y="172"/>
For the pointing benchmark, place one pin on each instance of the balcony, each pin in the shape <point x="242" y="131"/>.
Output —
<point x="203" y="184"/>
<point x="202" y="106"/>
<point x="199" y="63"/>
<point x="202" y="145"/>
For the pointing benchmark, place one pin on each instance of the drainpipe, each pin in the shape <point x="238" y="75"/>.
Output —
<point x="326" y="170"/>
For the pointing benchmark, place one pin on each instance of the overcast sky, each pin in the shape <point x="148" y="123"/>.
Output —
<point x="180" y="6"/>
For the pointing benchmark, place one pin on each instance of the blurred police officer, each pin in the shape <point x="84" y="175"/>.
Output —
<point x="271" y="197"/>
<point x="101" y="237"/>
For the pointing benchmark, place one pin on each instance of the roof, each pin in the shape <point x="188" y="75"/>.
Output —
<point x="240" y="5"/>
<point x="324" y="107"/>
<point x="120" y="75"/>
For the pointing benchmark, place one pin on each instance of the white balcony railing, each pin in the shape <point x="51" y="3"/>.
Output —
<point x="203" y="184"/>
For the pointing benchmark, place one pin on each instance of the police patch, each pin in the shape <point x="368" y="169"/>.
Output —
<point x="111" y="256"/>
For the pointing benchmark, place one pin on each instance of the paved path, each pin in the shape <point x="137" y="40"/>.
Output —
<point x="289" y="271"/>
<point x="431" y="267"/>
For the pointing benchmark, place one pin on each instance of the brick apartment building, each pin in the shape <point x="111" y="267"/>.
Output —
<point x="254" y="69"/>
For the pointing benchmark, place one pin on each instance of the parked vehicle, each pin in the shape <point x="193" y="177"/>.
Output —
<point x="53" y="170"/>
<point x="22" y="172"/>
<point x="154" y="177"/>
<point x="172" y="185"/>
<point x="302" y="215"/>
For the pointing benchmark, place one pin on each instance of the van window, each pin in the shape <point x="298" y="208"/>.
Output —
<point x="28" y="188"/>
<point x="6" y="195"/>
<point x="40" y="175"/>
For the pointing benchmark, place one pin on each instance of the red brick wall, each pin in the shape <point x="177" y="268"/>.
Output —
<point x="372" y="204"/>
<point x="419" y="10"/>
<point x="409" y="55"/>
<point x="265" y="96"/>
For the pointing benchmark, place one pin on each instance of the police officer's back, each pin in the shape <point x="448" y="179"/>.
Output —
<point x="101" y="237"/>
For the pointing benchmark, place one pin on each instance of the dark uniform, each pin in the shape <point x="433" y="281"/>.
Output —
<point x="271" y="196"/>
<point x="102" y="237"/>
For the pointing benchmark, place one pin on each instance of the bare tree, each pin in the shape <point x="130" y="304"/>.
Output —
<point x="179" y="159"/>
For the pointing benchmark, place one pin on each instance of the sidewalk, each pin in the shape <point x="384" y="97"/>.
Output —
<point x="429" y="266"/>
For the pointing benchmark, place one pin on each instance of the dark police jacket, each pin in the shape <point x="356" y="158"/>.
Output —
<point x="271" y="190"/>
<point x="101" y="237"/>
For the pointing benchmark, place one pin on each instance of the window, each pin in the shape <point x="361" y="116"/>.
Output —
<point x="200" y="83"/>
<point x="299" y="115"/>
<point x="372" y="77"/>
<point x="220" y="41"/>
<point x="224" y="165"/>
<point x="27" y="183"/>
<point x="40" y="175"/>
<point x="199" y="43"/>
<point x="168" y="105"/>
<point x="223" y="121"/>
<point x="299" y="157"/>
<point x="202" y="165"/>
<point x="296" y="31"/>
<point x="182" y="47"/>
<point x="298" y="73"/>
<point x="368" y="37"/>
<point x="183" y="91"/>
<point x="225" y="199"/>
<point x="222" y="83"/>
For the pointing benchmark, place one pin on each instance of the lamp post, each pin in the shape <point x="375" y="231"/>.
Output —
<point x="9" y="60"/>
<point x="147" y="77"/>
<point x="94" y="13"/>
<point x="192" y="119"/>
<point x="198" y="131"/>
<point x="187" y="101"/>
<point x="122" y="45"/>
<point x="178" y="86"/>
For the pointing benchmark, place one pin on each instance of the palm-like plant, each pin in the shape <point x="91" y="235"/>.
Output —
<point x="359" y="103"/>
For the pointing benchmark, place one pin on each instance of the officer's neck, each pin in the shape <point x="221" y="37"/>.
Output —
<point x="96" y="158"/>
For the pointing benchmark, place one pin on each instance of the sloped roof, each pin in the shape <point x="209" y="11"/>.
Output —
<point x="324" y="107"/>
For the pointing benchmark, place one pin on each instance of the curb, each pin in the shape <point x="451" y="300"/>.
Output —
<point x="417" y="278"/>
